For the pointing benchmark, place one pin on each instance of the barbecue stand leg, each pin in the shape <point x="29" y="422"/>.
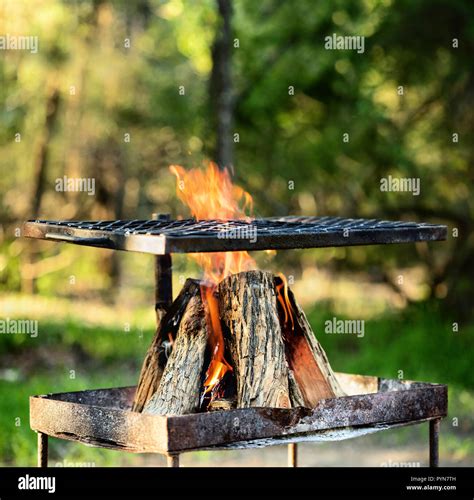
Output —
<point x="434" y="442"/>
<point x="163" y="278"/>
<point x="172" y="460"/>
<point x="292" y="455"/>
<point x="42" y="450"/>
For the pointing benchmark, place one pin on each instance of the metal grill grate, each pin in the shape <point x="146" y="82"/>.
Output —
<point x="189" y="235"/>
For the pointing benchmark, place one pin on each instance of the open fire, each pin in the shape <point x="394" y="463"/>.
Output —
<point x="210" y="194"/>
<point x="237" y="338"/>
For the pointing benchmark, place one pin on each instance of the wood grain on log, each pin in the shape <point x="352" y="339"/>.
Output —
<point x="248" y="310"/>
<point x="296" y="397"/>
<point x="155" y="359"/>
<point x="150" y="375"/>
<point x="274" y="365"/>
<point x="308" y="361"/>
<point x="180" y="385"/>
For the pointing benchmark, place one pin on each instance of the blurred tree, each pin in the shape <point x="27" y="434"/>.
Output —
<point x="318" y="128"/>
<point x="221" y="86"/>
<point x="40" y="158"/>
<point x="399" y="104"/>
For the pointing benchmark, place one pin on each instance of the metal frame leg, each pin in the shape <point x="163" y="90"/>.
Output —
<point x="434" y="442"/>
<point x="172" y="460"/>
<point x="42" y="450"/>
<point x="163" y="278"/>
<point x="292" y="455"/>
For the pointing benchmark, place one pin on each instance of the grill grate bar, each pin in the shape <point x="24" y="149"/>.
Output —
<point x="189" y="235"/>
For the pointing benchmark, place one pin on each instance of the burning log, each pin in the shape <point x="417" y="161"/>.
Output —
<point x="307" y="360"/>
<point x="243" y="343"/>
<point x="156" y="356"/>
<point x="248" y="310"/>
<point x="180" y="386"/>
<point x="296" y="397"/>
<point x="151" y="373"/>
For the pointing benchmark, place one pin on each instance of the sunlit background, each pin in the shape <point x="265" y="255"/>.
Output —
<point x="120" y="90"/>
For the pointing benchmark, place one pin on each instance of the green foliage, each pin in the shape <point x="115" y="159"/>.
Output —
<point x="119" y="68"/>
<point x="418" y="341"/>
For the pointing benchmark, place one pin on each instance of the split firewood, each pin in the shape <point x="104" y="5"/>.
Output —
<point x="157" y="354"/>
<point x="180" y="386"/>
<point x="276" y="362"/>
<point x="296" y="397"/>
<point x="308" y="361"/>
<point x="151" y="372"/>
<point x="248" y="310"/>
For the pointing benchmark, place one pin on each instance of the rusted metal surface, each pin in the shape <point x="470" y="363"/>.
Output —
<point x="338" y="434"/>
<point x="163" y="277"/>
<point x="42" y="450"/>
<point x="102" y="418"/>
<point x="187" y="236"/>
<point x="99" y="418"/>
<point x="172" y="460"/>
<point x="434" y="442"/>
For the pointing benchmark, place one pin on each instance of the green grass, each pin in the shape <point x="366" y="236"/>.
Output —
<point x="66" y="356"/>
<point x="106" y="344"/>
<point x="18" y="442"/>
<point x="419" y="341"/>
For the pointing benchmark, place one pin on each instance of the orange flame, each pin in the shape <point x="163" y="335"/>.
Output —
<point x="284" y="301"/>
<point x="210" y="194"/>
<point x="218" y="366"/>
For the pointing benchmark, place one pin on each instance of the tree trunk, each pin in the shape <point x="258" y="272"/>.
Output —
<point x="221" y="86"/>
<point x="308" y="361"/>
<point x="180" y="385"/>
<point x="155" y="359"/>
<point x="106" y="166"/>
<point x="40" y="161"/>
<point x="248" y="309"/>
<point x="40" y="165"/>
